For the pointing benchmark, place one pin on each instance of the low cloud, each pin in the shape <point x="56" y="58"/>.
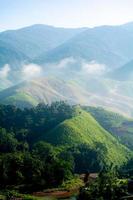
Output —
<point x="80" y="65"/>
<point x="31" y="71"/>
<point x="4" y="71"/>
<point x="65" y="62"/>
<point x="94" y="68"/>
<point x="76" y="66"/>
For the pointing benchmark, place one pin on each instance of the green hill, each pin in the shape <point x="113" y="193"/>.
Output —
<point x="84" y="129"/>
<point x="120" y="126"/>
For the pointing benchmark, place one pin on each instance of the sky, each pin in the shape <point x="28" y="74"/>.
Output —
<point x="15" y="14"/>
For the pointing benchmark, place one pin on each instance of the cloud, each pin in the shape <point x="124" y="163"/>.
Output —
<point x="66" y="62"/>
<point x="4" y="71"/>
<point x="94" y="68"/>
<point x="76" y="66"/>
<point x="80" y="65"/>
<point x="31" y="71"/>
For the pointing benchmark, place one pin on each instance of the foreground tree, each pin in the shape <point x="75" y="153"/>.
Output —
<point x="106" y="187"/>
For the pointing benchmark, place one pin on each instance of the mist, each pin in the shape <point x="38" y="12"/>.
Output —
<point x="94" y="68"/>
<point x="4" y="71"/>
<point x="67" y="68"/>
<point x="76" y="67"/>
<point x="30" y="71"/>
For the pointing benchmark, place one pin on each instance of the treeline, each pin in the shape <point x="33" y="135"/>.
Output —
<point x="30" y="124"/>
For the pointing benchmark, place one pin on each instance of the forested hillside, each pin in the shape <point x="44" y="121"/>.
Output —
<point x="43" y="146"/>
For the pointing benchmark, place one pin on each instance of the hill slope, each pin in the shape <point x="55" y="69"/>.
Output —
<point x="82" y="90"/>
<point x="118" y="125"/>
<point x="45" y="90"/>
<point x="84" y="129"/>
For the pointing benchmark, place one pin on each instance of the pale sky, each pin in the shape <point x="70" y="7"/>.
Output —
<point x="64" y="13"/>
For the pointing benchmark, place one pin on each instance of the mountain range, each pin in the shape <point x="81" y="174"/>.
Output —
<point x="87" y="66"/>
<point x="28" y="43"/>
<point x="108" y="45"/>
<point x="91" y="68"/>
<point x="80" y="90"/>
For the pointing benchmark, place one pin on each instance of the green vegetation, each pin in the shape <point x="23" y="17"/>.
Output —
<point x="43" y="147"/>
<point x="84" y="129"/>
<point x="72" y="184"/>
<point x="26" y="163"/>
<point x="118" y="125"/>
<point x="106" y="187"/>
<point x="106" y="118"/>
<point x="20" y="99"/>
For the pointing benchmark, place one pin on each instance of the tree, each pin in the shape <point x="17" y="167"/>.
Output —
<point x="106" y="187"/>
<point x="8" y="143"/>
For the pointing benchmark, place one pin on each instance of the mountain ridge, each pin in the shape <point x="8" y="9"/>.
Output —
<point x="78" y="90"/>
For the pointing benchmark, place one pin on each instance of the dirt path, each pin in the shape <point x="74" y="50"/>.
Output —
<point x="57" y="194"/>
<point x="62" y="194"/>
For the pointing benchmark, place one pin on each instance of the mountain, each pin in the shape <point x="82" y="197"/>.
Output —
<point x="123" y="73"/>
<point x="32" y="41"/>
<point x="71" y="65"/>
<point x="4" y="84"/>
<point x="76" y="89"/>
<point x="109" y="45"/>
<point x="128" y="26"/>
<point x="46" y="90"/>
<point x="84" y="129"/>
<point x="10" y="55"/>
<point x="119" y="126"/>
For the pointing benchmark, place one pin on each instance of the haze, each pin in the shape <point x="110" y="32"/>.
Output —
<point x="64" y="13"/>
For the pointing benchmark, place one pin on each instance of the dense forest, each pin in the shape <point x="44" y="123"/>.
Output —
<point x="29" y="162"/>
<point x="32" y="161"/>
<point x="24" y="159"/>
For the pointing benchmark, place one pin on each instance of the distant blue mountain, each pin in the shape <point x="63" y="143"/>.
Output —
<point x="28" y="43"/>
<point x="123" y="73"/>
<point x="111" y="45"/>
